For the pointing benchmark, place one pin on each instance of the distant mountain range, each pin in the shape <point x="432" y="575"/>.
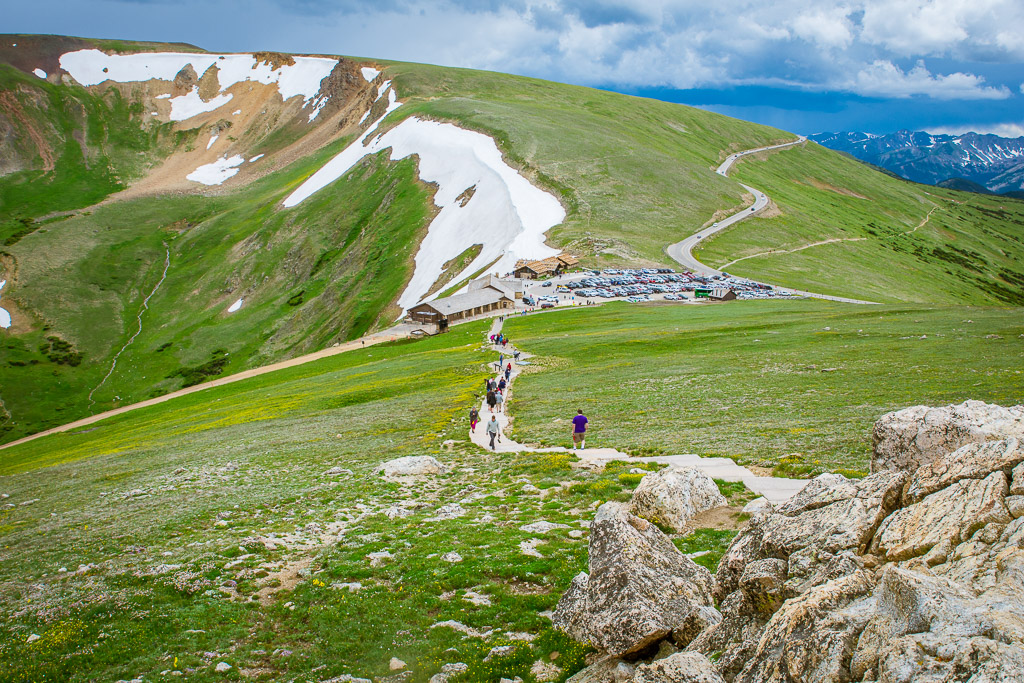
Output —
<point x="971" y="162"/>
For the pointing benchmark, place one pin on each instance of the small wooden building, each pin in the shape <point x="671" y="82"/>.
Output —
<point x="722" y="294"/>
<point x="554" y="265"/>
<point x="513" y="288"/>
<point x="442" y="312"/>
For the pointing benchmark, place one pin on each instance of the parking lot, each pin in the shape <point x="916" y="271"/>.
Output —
<point x="637" y="285"/>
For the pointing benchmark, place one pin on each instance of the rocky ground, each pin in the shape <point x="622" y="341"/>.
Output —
<point x="914" y="573"/>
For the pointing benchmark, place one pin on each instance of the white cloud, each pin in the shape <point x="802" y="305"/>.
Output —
<point x="884" y="79"/>
<point x="830" y="28"/>
<point x="1005" y="130"/>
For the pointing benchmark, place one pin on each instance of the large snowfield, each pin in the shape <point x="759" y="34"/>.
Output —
<point x="92" y="67"/>
<point x="506" y="214"/>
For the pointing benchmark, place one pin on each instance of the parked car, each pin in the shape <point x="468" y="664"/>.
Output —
<point x="547" y="304"/>
<point x="546" y="284"/>
<point x="529" y="301"/>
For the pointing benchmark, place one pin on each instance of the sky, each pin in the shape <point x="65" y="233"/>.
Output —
<point x="805" y="66"/>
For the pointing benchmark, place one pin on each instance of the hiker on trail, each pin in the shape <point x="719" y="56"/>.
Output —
<point x="508" y="374"/>
<point x="502" y="384"/>
<point x="501" y="359"/>
<point x="494" y="430"/>
<point x="500" y="402"/>
<point x="491" y="401"/>
<point x="474" y="417"/>
<point x="504" y="342"/>
<point x="579" y="430"/>
<point x="516" y="356"/>
<point x="509" y="367"/>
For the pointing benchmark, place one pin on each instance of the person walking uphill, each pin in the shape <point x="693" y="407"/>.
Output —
<point x="474" y="417"/>
<point x="491" y="401"/>
<point x="579" y="430"/>
<point x="494" y="430"/>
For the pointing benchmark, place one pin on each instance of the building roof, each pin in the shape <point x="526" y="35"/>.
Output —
<point x="547" y="265"/>
<point x="509" y="287"/>
<point x="466" y="301"/>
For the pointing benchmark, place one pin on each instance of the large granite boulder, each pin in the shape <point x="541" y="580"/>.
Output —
<point x="411" y="466"/>
<point x="639" y="590"/>
<point x="672" y="496"/>
<point x="908" y="438"/>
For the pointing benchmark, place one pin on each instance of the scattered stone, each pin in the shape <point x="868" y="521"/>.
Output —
<point x="461" y="628"/>
<point x="377" y="558"/>
<point x="450" y="511"/>
<point x="530" y="547"/>
<point x="411" y="466"/>
<point x="33" y="638"/>
<point x="351" y="587"/>
<point x="681" y="667"/>
<point x="499" y="651"/>
<point x="335" y="471"/>
<point x="542" y="671"/>
<point x="575" y="533"/>
<point x="478" y="599"/>
<point x="541" y="527"/>
<point x="396" y="664"/>
<point x="757" y="506"/>
<point x="451" y="557"/>
<point x="530" y="488"/>
<point x="672" y="496"/>
<point x="397" y="512"/>
<point x="222" y="667"/>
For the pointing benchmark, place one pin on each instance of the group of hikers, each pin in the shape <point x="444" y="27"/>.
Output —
<point x="496" y="389"/>
<point x="499" y="339"/>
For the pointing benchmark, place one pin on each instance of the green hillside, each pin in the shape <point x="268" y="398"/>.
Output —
<point x="633" y="174"/>
<point x="883" y="239"/>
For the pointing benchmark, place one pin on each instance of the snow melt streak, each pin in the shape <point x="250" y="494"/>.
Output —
<point x="506" y="214"/>
<point x="5" y="316"/>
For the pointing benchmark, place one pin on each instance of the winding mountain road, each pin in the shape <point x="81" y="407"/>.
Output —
<point x="682" y="252"/>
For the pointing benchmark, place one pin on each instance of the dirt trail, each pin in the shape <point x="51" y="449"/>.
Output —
<point x="145" y="307"/>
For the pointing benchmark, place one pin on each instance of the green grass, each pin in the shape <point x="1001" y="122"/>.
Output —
<point x="902" y="242"/>
<point x="165" y="508"/>
<point x="757" y="381"/>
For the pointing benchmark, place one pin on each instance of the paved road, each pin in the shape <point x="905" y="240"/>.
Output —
<point x="682" y="252"/>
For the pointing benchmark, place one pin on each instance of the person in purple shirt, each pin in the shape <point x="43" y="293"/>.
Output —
<point x="579" y="430"/>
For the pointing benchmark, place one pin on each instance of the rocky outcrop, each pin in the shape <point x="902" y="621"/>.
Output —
<point x="903" y="576"/>
<point x="908" y="438"/>
<point x="639" y="590"/>
<point x="411" y="466"/>
<point x="672" y="496"/>
<point x="898" y="577"/>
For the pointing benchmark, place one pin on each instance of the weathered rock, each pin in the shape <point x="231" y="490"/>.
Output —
<point x="411" y="466"/>
<point x="542" y="527"/>
<point x="672" y="496"/>
<point x="640" y="587"/>
<point x="973" y="461"/>
<point x="682" y="667"/>
<point x="810" y="637"/>
<point x="1017" y="483"/>
<point x="764" y="582"/>
<point x="757" y="506"/>
<point x="542" y="671"/>
<point x="605" y="670"/>
<point x="696" y="622"/>
<point x="951" y="514"/>
<point x="908" y="438"/>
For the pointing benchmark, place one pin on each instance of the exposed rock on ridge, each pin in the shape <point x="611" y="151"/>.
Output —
<point x="899" y="577"/>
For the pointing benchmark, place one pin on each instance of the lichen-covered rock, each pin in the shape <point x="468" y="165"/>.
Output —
<point x="639" y="589"/>
<point x="671" y="497"/>
<point x="950" y="514"/>
<point x="411" y="466"/>
<point x="605" y="670"/>
<point x="973" y="461"/>
<point x="909" y="577"/>
<point x="908" y="438"/>
<point x="682" y="667"/>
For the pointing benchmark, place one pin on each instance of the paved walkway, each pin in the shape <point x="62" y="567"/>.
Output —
<point x="682" y="252"/>
<point x="775" y="489"/>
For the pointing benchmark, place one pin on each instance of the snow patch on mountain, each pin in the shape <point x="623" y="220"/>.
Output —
<point x="217" y="172"/>
<point x="369" y="73"/>
<point x="92" y="67"/>
<point x="506" y="214"/>
<point x="5" y="316"/>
